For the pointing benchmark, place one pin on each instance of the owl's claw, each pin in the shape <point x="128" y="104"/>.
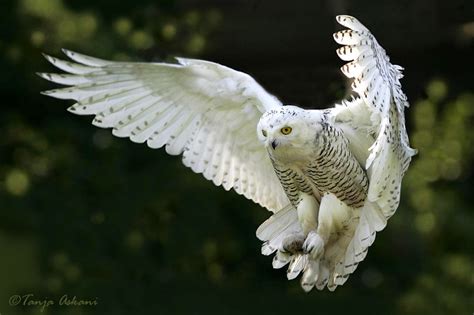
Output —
<point x="292" y="243"/>
<point x="313" y="245"/>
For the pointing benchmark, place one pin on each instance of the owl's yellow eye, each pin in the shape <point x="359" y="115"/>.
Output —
<point x="264" y="133"/>
<point x="286" y="130"/>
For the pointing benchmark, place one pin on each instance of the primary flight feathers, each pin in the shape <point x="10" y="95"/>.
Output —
<point x="200" y="109"/>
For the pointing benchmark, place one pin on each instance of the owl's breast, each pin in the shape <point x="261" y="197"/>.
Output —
<point x="336" y="170"/>
<point x="294" y="181"/>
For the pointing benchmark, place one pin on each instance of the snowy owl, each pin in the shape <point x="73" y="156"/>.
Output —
<point x="331" y="177"/>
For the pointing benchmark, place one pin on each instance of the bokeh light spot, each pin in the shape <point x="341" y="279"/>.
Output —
<point x="422" y="199"/>
<point x="422" y="139"/>
<point x="192" y="18"/>
<point x="134" y="240"/>
<point x="450" y="169"/>
<point x="141" y="40"/>
<point x="425" y="116"/>
<point x="168" y="31"/>
<point x="88" y="25"/>
<point x="215" y="271"/>
<point x="67" y="29"/>
<point x="14" y="53"/>
<point x="458" y="267"/>
<point x="17" y="182"/>
<point x="123" y="26"/>
<point x="437" y="90"/>
<point x="425" y="222"/>
<point x="196" y="44"/>
<point x="59" y="260"/>
<point x="42" y="8"/>
<point x="37" y="38"/>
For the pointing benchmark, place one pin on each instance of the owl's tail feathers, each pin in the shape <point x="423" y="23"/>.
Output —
<point x="276" y="228"/>
<point x="343" y="254"/>
<point x="282" y="233"/>
<point x="284" y="230"/>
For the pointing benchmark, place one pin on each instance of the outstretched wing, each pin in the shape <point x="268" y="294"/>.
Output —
<point x="376" y="81"/>
<point x="200" y="109"/>
<point x="374" y="123"/>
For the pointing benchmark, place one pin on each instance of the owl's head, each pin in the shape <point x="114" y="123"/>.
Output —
<point x="288" y="129"/>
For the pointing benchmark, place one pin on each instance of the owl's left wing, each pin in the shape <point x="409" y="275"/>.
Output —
<point x="379" y="108"/>
<point x="374" y="124"/>
<point x="203" y="110"/>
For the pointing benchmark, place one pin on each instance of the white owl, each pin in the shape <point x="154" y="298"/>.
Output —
<point x="331" y="177"/>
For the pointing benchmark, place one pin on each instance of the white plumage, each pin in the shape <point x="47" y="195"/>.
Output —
<point x="332" y="177"/>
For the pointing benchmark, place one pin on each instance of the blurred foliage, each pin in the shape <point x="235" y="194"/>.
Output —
<point x="86" y="214"/>
<point x="155" y="29"/>
<point x="439" y="185"/>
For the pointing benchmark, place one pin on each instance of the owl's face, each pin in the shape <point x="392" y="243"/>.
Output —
<point x="287" y="131"/>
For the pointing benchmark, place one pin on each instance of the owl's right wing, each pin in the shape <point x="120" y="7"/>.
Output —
<point x="203" y="110"/>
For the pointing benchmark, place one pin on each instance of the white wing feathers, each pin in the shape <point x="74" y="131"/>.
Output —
<point x="376" y="81"/>
<point x="200" y="109"/>
<point x="376" y="116"/>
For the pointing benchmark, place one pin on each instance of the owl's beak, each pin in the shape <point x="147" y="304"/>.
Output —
<point x="274" y="144"/>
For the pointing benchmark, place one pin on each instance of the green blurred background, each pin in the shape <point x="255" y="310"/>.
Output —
<point x="101" y="218"/>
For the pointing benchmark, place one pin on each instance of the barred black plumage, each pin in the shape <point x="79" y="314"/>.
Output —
<point x="332" y="169"/>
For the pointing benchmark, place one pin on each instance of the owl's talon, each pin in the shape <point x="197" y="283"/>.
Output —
<point x="313" y="245"/>
<point x="292" y="243"/>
